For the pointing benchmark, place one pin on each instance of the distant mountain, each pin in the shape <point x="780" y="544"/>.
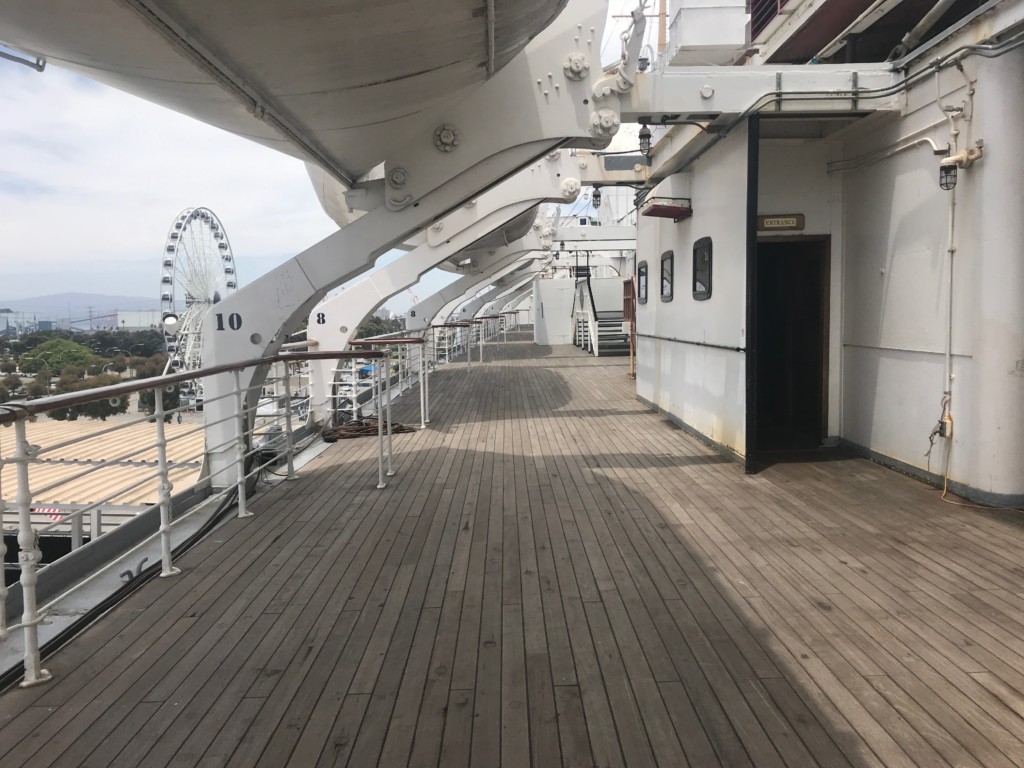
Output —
<point x="77" y="305"/>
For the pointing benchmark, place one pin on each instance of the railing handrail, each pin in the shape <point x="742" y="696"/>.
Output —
<point x="385" y="340"/>
<point x="590" y="291"/>
<point x="301" y="344"/>
<point x="11" y="411"/>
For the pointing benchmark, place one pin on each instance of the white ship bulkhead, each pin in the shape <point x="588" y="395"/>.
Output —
<point x="877" y="224"/>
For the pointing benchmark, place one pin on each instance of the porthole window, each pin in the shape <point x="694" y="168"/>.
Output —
<point x="667" y="270"/>
<point x="641" y="282"/>
<point x="702" y="269"/>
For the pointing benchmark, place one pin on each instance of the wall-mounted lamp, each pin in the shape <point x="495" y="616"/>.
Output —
<point x="962" y="159"/>
<point x="645" y="141"/>
<point x="947" y="175"/>
<point x="595" y="198"/>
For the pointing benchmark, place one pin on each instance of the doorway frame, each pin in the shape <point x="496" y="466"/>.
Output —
<point x="824" y="320"/>
<point x="750" y="459"/>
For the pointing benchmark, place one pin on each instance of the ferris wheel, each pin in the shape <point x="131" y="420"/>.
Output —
<point x="197" y="271"/>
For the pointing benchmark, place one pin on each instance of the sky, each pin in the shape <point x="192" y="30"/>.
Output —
<point x="91" y="179"/>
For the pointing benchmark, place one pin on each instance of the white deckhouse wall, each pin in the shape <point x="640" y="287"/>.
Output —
<point x="690" y="363"/>
<point x="872" y="190"/>
<point x="897" y="288"/>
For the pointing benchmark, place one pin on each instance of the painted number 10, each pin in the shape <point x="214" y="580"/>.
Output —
<point x="234" y="321"/>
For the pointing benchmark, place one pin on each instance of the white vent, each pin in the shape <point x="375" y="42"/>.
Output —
<point x="706" y="32"/>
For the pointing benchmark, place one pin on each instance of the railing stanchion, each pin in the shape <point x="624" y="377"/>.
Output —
<point x="95" y="524"/>
<point x="29" y="557"/>
<point x="426" y="396"/>
<point x="289" y="435"/>
<point x="76" y="531"/>
<point x="387" y="359"/>
<point x="354" y="388"/>
<point x="240" y="445"/>
<point x="380" y="423"/>
<point x="483" y="338"/>
<point x="166" y="568"/>
<point x="423" y="390"/>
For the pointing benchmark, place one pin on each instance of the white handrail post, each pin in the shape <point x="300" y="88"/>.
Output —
<point x="76" y="531"/>
<point x="354" y="387"/>
<point x="387" y="357"/>
<point x="29" y="557"/>
<point x="95" y="524"/>
<point x="166" y="568"/>
<point x="426" y="397"/>
<point x="288" y="421"/>
<point x="240" y="445"/>
<point x="423" y="385"/>
<point x="469" y="346"/>
<point x="483" y="338"/>
<point x="380" y="423"/>
<point x="335" y="395"/>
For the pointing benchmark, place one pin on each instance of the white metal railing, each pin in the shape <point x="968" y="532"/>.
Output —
<point x="452" y="340"/>
<point x="154" y="451"/>
<point x="407" y="358"/>
<point x="352" y="385"/>
<point x="587" y="333"/>
<point x="447" y="343"/>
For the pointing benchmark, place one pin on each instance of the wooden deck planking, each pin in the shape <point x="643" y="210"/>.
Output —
<point x="558" y="576"/>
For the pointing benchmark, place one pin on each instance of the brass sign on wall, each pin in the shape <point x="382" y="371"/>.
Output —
<point x="780" y="222"/>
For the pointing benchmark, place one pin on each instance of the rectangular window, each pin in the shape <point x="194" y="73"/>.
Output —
<point x="702" y="269"/>
<point x="666" y="275"/>
<point x="641" y="282"/>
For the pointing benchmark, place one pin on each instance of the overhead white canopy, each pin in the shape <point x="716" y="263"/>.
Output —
<point x="336" y="82"/>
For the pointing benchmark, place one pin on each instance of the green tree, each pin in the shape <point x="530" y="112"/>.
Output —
<point x="377" y="326"/>
<point x="56" y="352"/>
<point x="172" y="400"/>
<point x="8" y="366"/>
<point x="148" y="368"/>
<point x="72" y="372"/>
<point x="34" y="339"/>
<point x="40" y="385"/>
<point x="109" y="343"/>
<point x="97" y="409"/>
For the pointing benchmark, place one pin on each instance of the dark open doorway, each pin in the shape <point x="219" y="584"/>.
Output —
<point x="791" y="337"/>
